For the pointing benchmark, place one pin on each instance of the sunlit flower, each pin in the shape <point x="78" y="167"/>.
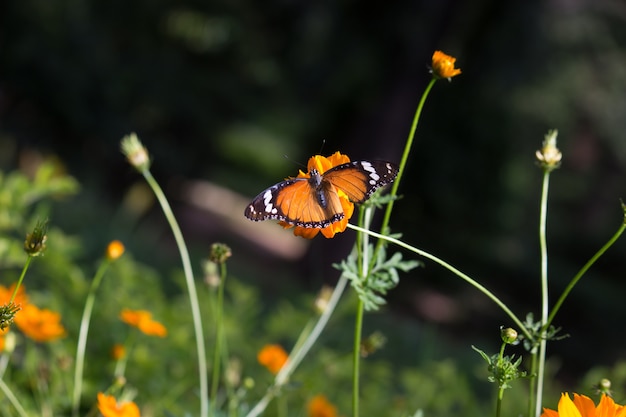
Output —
<point x="41" y="325"/>
<point x="115" y="249"/>
<point x="142" y="320"/>
<point x="109" y="407"/>
<point x="319" y="406"/>
<point x="583" y="406"/>
<point x="323" y="164"/>
<point x="273" y="357"/>
<point x="443" y="66"/>
<point x="118" y="351"/>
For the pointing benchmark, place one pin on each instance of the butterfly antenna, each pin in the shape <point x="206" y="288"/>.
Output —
<point x="322" y="146"/>
<point x="294" y="161"/>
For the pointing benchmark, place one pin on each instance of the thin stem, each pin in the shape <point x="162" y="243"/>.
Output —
<point x="582" y="271"/>
<point x="358" y="329"/>
<point x="405" y="158"/>
<point x="12" y="398"/>
<point x="218" y="338"/>
<point x="82" y="335"/>
<point x="296" y="357"/>
<point x="541" y="360"/>
<point x="191" y="289"/>
<point x="19" y="281"/>
<point x="501" y="386"/>
<point x="449" y="267"/>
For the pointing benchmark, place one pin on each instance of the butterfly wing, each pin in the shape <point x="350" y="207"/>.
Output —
<point x="359" y="179"/>
<point x="295" y="201"/>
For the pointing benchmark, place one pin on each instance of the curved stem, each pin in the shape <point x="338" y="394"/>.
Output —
<point x="296" y="357"/>
<point x="82" y="336"/>
<point x="191" y="289"/>
<point x="582" y="272"/>
<point x="452" y="269"/>
<point x="405" y="158"/>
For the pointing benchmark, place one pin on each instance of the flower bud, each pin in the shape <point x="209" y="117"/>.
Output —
<point x="35" y="242"/>
<point x="549" y="156"/>
<point x="508" y="335"/>
<point x="135" y="152"/>
<point x="219" y="253"/>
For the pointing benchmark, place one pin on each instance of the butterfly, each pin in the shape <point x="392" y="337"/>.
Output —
<point x="314" y="202"/>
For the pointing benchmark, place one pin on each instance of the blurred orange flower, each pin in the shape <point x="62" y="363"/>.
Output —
<point x="41" y="325"/>
<point x="443" y="66"/>
<point x="114" y="250"/>
<point x="323" y="164"/>
<point x="142" y="319"/>
<point x="583" y="406"/>
<point x="6" y="293"/>
<point x="273" y="357"/>
<point x="109" y="407"/>
<point x="118" y="351"/>
<point x="319" y="406"/>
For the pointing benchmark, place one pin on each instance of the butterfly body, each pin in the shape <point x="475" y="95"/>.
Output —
<point x="314" y="202"/>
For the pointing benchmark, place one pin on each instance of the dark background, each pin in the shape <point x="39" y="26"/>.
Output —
<point x="221" y="91"/>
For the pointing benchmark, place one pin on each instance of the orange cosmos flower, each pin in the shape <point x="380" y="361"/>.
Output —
<point x="323" y="164"/>
<point x="114" y="250"/>
<point x="41" y="325"/>
<point x="142" y="320"/>
<point x="109" y="407"/>
<point x="319" y="406"/>
<point x="6" y="293"/>
<point x="118" y="351"/>
<point x="443" y="66"/>
<point x="583" y="406"/>
<point x="273" y="357"/>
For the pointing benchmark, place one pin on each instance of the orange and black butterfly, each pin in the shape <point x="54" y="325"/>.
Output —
<point x="314" y="202"/>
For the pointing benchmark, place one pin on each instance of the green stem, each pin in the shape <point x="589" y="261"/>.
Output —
<point x="82" y="335"/>
<point x="358" y="328"/>
<point x="218" y="339"/>
<point x="452" y="269"/>
<point x="191" y="289"/>
<point x="501" y="385"/>
<point x="582" y="271"/>
<point x="12" y="398"/>
<point x="541" y="360"/>
<point x="296" y="357"/>
<point x="19" y="281"/>
<point x="404" y="159"/>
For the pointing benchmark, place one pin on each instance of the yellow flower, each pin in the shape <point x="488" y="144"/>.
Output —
<point x="41" y="325"/>
<point x="319" y="406"/>
<point x="323" y="164"/>
<point x="443" y="66"/>
<point x="114" y="250"/>
<point x="142" y="320"/>
<point x="583" y="406"/>
<point x="109" y="407"/>
<point x="273" y="357"/>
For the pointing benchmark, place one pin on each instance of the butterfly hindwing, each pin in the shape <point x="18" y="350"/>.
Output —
<point x="314" y="202"/>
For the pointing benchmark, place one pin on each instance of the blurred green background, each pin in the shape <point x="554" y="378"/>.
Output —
<point x="221" y="91"/>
